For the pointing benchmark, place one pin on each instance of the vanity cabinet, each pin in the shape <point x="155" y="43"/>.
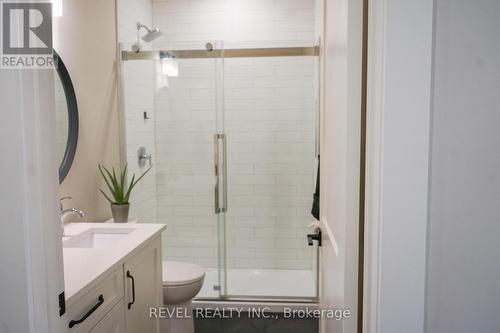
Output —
<point x="91" y="307"/>
<point x="121" y="299"/>
<point x="113" y="322"/>
<point x="143" y="274"/>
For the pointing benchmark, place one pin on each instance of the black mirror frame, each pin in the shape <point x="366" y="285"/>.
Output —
<point x="73" y="122"/>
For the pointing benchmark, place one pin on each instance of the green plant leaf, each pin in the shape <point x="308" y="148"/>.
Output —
<point x="114" y="192"/>
<point x="143" y="174"/>
<point x="132" y="183"/>
<point x="106" y="179"/>
<point x="107" y="198"/>
<point x="124" y="173"/>
<point x="119" y="188"/>
<point x="127" y="196"/>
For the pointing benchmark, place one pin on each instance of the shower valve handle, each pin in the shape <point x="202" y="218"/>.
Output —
<point x="143" y="156"/>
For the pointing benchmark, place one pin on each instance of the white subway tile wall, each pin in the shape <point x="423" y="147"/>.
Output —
<point x="137" y="80"/>
<point x="269" y="121"/>
<point x="235" y="20"/>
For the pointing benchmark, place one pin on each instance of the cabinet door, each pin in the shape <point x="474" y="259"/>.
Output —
<point x="113" y="322"/>
<point x="143" y="288"/>
<point x="109" y="288"/>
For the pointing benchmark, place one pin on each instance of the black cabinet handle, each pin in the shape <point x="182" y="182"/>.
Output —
<point x="133" y="289"/>
<point x="98" y="304"/>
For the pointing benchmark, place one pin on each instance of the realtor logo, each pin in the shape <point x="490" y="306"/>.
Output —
<point x="27" y="35"/>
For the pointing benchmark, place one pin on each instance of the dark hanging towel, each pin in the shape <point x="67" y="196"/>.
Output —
<point x="315" y="205"/>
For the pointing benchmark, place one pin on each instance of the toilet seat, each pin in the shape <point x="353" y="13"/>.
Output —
<point x="181" y="273"/>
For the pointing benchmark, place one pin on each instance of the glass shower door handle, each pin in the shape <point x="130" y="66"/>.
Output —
<point x="220" y="207"/>
<point x="218" y="158"/>
<point x="224" y="172"/>
<point x="216" y="174"/>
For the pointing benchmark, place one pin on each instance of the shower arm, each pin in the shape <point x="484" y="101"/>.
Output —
<point x="140" y="25"/>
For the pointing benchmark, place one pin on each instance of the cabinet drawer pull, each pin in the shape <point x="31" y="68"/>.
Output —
<point x="133" y="289"/>
<point x="98" y="304"/>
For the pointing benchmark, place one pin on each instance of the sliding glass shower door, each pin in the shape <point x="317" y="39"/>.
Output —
<point x="189" y="131"/>
<point x="270" y="126"/>
<point x="234" y="155"/>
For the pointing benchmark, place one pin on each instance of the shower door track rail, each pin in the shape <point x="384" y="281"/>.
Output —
<point x="266" y="299"/>
<point x="227" y="53"/>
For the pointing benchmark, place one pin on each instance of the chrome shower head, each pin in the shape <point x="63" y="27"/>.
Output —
<point x="151" y="35"/>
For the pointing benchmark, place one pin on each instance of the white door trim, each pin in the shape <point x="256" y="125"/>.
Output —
<point x="400" y="43"/>
<point x="373" y="182"/>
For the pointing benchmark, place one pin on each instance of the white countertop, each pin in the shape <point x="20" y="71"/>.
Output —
<point x="84" y="266"/>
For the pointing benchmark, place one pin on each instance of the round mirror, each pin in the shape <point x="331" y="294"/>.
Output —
<point x="66" y="118"/>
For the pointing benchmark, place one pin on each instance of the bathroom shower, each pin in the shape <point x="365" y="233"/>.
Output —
<point x="151" y="34"/>
<point x="233" y="138"/>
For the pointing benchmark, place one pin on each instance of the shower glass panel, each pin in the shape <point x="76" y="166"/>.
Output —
<point x="233" y="139"/>
<point x="174" y="107"/>
<point x="189" y="117"/>
<point x="270" y="123"/>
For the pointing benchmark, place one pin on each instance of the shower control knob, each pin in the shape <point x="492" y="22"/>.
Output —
<point x="143" y="156"/>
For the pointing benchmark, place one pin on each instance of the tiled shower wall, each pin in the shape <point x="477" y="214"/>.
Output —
<point x="137" y="98"/>
<point x="269" y="110"/>
<point x="235" y="20"/>
<point x="269" y="114"/>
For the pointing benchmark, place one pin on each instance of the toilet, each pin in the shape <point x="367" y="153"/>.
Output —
<point x="181" y="282"/>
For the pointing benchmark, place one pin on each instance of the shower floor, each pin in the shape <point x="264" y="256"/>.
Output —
<point x="262" y="283"/>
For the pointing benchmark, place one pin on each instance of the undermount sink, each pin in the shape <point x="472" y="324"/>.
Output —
<point x="97" y="238"/>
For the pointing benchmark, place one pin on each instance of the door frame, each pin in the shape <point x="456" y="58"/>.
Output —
<point x="32" y="255"/>
<point x="342" y="161"/>
<point x="399" y="84"/>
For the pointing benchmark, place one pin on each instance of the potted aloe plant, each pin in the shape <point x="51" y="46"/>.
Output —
<point x="119" y="191"/>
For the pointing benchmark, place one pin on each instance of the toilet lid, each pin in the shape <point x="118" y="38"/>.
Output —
<point x="180" y="273"/>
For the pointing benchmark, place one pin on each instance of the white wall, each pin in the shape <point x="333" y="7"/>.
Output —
<point x="137" y="97"/>
<point x="463" y="291"/>
<point x="85" y="39"/>
<point x="269" y="119"/>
